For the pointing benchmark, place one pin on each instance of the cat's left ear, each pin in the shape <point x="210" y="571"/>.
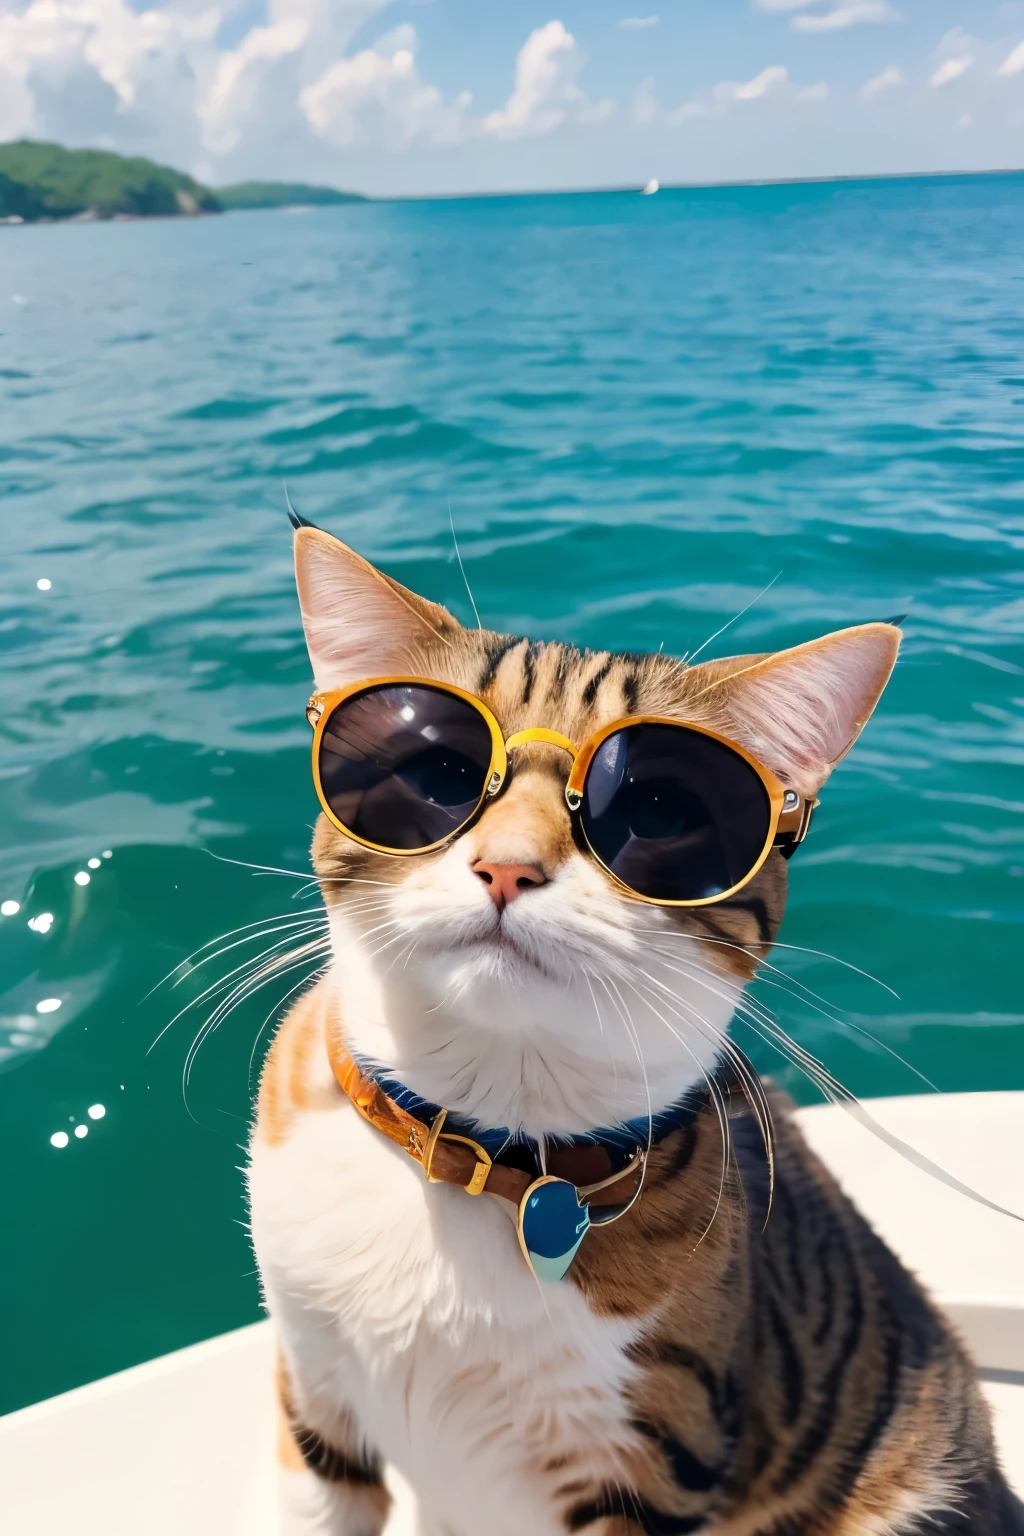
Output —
<point x="360" y="623"/>
<point x="800" y="711"/>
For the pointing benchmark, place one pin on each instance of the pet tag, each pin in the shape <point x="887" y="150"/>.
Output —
<point x="552" y="1224"/>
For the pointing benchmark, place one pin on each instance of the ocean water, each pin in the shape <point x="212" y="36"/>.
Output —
<point x="641" y="412"/>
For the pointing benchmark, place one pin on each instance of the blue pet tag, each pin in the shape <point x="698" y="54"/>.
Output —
<point x="552" y="1224"/>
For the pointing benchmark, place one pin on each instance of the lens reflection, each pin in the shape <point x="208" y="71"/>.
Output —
<point x="404" y="765"/>
<point x="674" y="814"/>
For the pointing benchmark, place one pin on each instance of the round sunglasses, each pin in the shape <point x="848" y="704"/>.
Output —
<point x="676" y="814"/>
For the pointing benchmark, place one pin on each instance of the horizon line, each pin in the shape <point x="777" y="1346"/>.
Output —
<point x="687" y="186"/>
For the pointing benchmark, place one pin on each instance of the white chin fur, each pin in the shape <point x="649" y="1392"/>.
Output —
<point x="589" y="1010"/>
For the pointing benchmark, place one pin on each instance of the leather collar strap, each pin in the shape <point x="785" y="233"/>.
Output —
<point x="450" y="1158"/>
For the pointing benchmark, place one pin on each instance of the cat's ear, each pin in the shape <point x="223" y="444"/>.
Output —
<point x="801" y="710"/>
<point x="360" y="623"/>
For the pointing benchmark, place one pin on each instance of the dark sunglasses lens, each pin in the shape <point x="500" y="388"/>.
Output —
<point x="675" y="815"/>
<point x="603" y="1208"/>
<point x="404" y="765"/>
<point x="601" y="1215"/>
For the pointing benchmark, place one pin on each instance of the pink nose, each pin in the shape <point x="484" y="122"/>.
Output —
<point x="505" y="882"/>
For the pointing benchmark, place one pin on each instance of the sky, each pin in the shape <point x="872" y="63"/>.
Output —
<point x="417" y="97"/>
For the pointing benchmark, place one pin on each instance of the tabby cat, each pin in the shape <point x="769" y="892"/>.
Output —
<point x="528" y="1011"/>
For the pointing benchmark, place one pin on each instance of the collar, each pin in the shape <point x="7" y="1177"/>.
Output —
<point x="642" y="1131"/>
<point x="605" y="1165"/>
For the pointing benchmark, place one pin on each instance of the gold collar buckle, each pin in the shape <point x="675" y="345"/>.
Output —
<point x="478" y="1179"/>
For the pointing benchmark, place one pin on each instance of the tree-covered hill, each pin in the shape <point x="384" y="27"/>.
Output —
<point x="281" y="194"/>
<point x="47" y="181"/>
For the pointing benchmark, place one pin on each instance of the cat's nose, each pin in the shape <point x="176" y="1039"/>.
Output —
<point x="505" y="882"/>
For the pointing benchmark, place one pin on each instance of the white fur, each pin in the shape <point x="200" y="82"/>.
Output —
<point x="410" y="1303"/>
<point x="563" y="1014"/>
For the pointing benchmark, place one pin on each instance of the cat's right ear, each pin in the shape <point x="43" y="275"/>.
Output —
<point x="360" y="623"/>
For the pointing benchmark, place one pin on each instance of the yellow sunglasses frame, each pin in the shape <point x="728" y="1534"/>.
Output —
<point x="790" y="812"/>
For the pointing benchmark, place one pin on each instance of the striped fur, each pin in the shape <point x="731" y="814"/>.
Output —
<point x="707" y="1366"/>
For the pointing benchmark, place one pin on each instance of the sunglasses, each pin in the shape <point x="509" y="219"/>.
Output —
<point x="676" y="814"/>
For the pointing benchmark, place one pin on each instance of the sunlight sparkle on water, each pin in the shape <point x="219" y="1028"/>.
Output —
<point x="44" y="584"/>
<point x="94" y="863"/>
<point x="81" y="1130"/>
<point x="83" y="877"/>
<point x="41" y="923"/>
<point x="59" y="1139"/>
<point x="8" y="908"/>
<point x="96" y="1111"/>
<point x="48" y="1005"/>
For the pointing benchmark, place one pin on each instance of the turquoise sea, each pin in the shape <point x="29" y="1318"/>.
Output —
<point x="641" y="411"/>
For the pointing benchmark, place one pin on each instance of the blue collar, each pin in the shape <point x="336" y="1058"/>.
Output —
<point x="623" y="1138"/>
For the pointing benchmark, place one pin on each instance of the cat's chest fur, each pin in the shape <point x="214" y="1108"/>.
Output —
<point x="411" y="1304"/>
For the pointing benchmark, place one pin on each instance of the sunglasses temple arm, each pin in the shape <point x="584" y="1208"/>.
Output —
<point x="586" y="1191"/>
<point x="794" y="823"/>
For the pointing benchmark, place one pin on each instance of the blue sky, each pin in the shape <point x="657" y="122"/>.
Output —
<point x="423" y="96"/>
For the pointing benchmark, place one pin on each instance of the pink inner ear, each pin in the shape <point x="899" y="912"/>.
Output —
<point x="799" y="712"/>
<point x="356" y="624"/>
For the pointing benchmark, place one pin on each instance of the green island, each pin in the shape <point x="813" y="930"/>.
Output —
<point x="281" y="194"/>
<point x="42" y="183"/>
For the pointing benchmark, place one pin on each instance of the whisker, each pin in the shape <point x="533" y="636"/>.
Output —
<point x="692" y="655"/>
<point x="634" y="1040"/>
<point x="224" y="981"/>
<point x="279" y="927"/>
<point x="281" y="965"/>
<point x="802" y="949"/>
<point x="866" y="1033"/>
<point x="715" y="1094"/>
<point x="462" y="568"/>
<point x="604" y="1037"/>
<point x="280" y="916"/>
<point x="749" y="1080"/>
<point x="276" y="1009"/>
<point x="296" y="874"/>
<point x="767" y="1029"/>
<point x="812" y="999"/>
<point x="631" y="1027"/>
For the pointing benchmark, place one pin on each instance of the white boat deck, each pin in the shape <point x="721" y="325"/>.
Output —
<point x="186" y="1443"/>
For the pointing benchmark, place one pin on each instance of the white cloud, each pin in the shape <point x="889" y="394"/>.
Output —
<point x="158" y="82"/>
<point x="244" y="77"/>
<point x="774" y="78"/>
<point x="404" y="36"/>
<point x="772" y="84"/>
<point x="851" y="14"/>
<point x="637" y="23"/>
<point x="378" y="97"/>
<point x="253" y="105"/>
<point x="889" y="77"/>
<point x="74" y="68"/>
<point x="546" y="93"/>
<point x="645" y="107"/>
<point x="951" y="69"/>
<point x="965" y="121"/>
<point x="781" y="5"/>
<point x="687" y="110"/>
<point x="1014" y="62"/>
<point x="279" y="100"/>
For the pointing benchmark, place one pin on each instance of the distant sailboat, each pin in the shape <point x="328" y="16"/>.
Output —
<point x="650" y="189"/>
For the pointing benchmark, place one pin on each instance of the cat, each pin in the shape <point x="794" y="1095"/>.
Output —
<point x="739" y="1354"/>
